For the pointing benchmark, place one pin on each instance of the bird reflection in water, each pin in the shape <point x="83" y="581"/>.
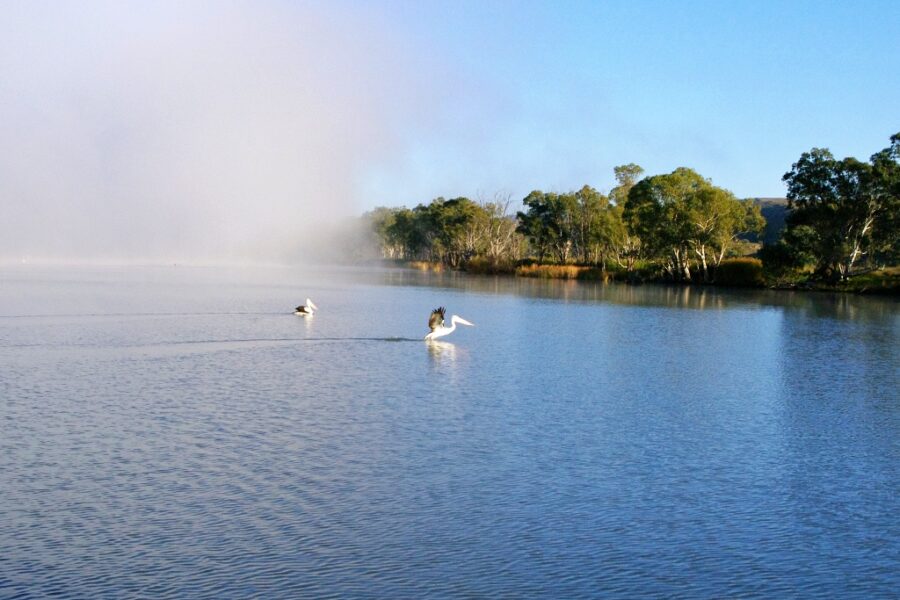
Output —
<point x="441" y="351"/>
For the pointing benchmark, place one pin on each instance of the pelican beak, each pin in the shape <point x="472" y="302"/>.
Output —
<point x="464" y="322"/>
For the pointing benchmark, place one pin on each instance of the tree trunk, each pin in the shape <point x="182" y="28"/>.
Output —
<point x="857" y="246"/>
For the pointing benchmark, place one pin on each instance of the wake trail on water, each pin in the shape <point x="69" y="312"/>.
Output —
<point x="218" y="341"/>
<point x="320" y="339"/>
<point x="147" y="314"/>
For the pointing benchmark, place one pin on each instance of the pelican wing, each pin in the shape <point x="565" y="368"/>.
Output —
<point x="437" y="318"/>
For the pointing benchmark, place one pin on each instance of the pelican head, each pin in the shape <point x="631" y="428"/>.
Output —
<point x="306" y="310"/>
<point x="436" y="323"/>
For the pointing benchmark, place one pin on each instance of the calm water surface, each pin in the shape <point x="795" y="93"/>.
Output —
<point x="176" y="432"/>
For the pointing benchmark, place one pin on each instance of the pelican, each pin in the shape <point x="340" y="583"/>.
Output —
<point x="306" y="310"/>
<point x="436" y="324"/>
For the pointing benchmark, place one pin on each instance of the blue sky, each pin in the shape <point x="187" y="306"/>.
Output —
<point x="174" y="129"/>
<point x="556" y="94"/>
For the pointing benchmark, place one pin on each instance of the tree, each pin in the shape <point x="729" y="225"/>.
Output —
<point x="446" y="230"/>
<point x="409" y="232"/>
<point x="559" y="224"/>
<point x="590" y="206"/>
<point x="537" y="223"/>
<point x="500" y="238"/>
<point x="717" y="218"/>
<point x="886" y="234"/>
<point x="850" y="205"/>
<point x="626" y="177"/>
<point x="380" y="221"/>
<point x="682" y="215"/>
<point x="624" y="247"/>
<point x="658" y="212"/>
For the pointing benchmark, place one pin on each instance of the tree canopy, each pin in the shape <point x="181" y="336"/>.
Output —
<point x="843" y="216"/>
<point x="682" y="218"/>
<point x="843" y="212"/>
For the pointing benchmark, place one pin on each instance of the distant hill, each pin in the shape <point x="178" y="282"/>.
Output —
<point x="774" y="210"/>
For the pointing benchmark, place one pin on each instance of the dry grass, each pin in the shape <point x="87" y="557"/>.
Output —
<point x="424" y="265"/>
<point x="482" y="266"/>
<point x="562" y="272"/>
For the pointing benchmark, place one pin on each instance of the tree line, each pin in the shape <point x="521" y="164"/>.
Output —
<point x="843" y="218"/>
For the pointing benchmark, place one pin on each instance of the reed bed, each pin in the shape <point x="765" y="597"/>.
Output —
<point x="562" y="272"/>
<point x="424" y="265"/>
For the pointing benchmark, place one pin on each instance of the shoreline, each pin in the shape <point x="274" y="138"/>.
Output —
<point x="879" y="283"/>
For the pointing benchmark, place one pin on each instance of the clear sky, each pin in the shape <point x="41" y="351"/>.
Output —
<point x="201" y="129"/>
<point x="553" y="95"/>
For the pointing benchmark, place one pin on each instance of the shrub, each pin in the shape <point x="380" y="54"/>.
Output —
<point x="744" y="272"/>
<point x="482" y="266"/>
<point x="783" y="263"/>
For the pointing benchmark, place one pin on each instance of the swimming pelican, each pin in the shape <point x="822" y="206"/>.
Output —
<point x="436" y="324"/>
<point x="306" y="310"/>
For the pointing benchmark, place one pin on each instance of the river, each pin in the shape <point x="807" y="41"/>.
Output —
<point x="177" y="432"/>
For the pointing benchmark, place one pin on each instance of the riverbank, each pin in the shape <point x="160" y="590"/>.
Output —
<point x="738" y="272"/>
<point x="882" y="282"/>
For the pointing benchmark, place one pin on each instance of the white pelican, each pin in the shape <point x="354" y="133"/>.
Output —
<point x="436" y="324"/>
<point x="306" y="310"/>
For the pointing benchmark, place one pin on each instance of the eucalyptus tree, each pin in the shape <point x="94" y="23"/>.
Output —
<point x="380" y="223"/>
<point x="624" y="246"/>
<point x="448" y="228"/>
<point x="566" y="226"/>
<point x="682" y="216"/>
<point x="589" y="232"/>
<point x="409" y="232"/>
<point x="717" y="218"/>
<point x="498" y="230"/>
<point x="563" y="224"/>
<point x="626" y="177"/>
<point x="658" y="211"/>
<point x="844" y="210"/>
<point x="536" y="223"/>
<point x="886" y="235"/>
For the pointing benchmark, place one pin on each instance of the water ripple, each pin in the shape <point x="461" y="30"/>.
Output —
<point x="600" y="451"/>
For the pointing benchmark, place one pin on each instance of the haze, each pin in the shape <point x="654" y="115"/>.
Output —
<point x="187" y="130"/>
<point x="228" y="131"/>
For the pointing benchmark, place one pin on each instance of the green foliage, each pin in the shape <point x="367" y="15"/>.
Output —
<point x="550" y="224"/>
<point x="793" y="254"/>
<point x="684" y="221"/>
<point x="449" y="232"/>
<point x="626" y="177"/>
<point x="842" y="218"/>
<point x="577" y="226"/>
<point x="886" y="234"/>
<point x="742" y="272"/>
<point x="774" y="212"/>
<point x="885" y="281"/>
<point x="849" y="207"/>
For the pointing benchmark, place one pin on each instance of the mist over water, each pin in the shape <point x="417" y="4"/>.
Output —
<point x="226" y="131"/>
<point x="189" y="131"/>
